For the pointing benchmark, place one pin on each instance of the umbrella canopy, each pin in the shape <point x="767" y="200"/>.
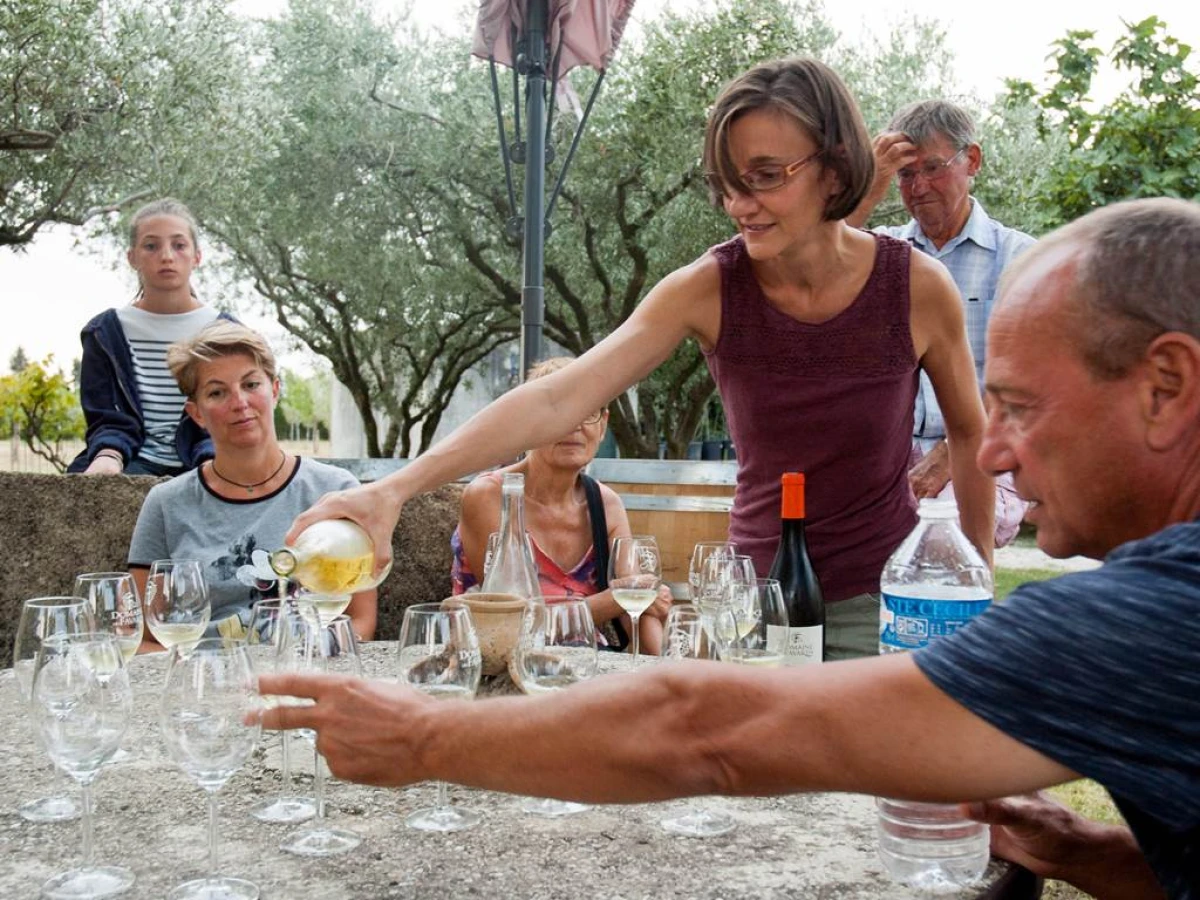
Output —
<point x="587" y="31"/>
<point x="540" y="39"/>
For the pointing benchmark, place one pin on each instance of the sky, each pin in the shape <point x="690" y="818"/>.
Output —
<point x="49" y="291"/>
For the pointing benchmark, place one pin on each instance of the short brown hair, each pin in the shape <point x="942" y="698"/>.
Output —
<point x="812" y="94"/>
<point x="219" y="339"/>
<point x="1137" y="264"/>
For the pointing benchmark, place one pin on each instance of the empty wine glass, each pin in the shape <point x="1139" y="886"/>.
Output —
<point x="331" y="648"/>
<point x="265" y="635"/>
<point x="725" y="587"/>
<point x="114" y="602"/>
<point x="684" y="638"/>
<point x="556" y="649"/>
<point x="177" y="610"/>
<point x="439" y="656"/>
<point x="683" y="634"/>
<point x="208" y="694"/>
<point x="81" y="704"/>
<point x="44" y="618"/>
<point x="634" y="574"/>
<point x="700" y="554"/>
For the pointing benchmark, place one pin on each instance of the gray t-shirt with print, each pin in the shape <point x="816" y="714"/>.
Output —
<point x="184" y="518"/>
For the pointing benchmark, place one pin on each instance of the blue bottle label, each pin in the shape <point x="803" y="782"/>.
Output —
<point x="908" y="623"/>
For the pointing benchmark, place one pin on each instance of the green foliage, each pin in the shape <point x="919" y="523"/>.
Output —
<point x="18" y="361"/>
<point x="326" y="222"/>
<point x="98" y="99"/>
<point x="39" y="403"/>
<point x="1144" y="143"/>
<point x="305" y="401"/>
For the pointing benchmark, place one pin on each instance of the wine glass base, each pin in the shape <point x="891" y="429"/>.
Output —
<point x="217" y="887"/>
<point x="121" y="755"/>
<point x="442" y="818"/>
<point x="49" y="809"/>
<point x="285" y="810"/>
<point x="552" y="809"/>
<point x="89" y="883"/>
<point x="701" y="823"/>
<point x="320" y="842"/>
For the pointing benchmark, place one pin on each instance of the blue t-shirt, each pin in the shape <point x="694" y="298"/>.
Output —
<point x="1100" y="671"/>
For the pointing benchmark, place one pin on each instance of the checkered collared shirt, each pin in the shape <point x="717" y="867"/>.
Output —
<point x="975" y="258"/>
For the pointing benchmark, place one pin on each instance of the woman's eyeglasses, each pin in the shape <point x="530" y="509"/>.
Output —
<point x="762" y="179"/>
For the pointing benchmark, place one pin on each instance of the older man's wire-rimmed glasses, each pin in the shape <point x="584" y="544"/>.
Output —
<point x="761" y="179"/>
<point x="931" y="171"/>
<point x="594" y="417"/>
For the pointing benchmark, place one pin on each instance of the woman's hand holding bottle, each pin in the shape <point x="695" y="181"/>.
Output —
<point x="375" y="506"/>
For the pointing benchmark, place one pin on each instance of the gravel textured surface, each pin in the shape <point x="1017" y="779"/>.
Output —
<point x="152" y="818"/>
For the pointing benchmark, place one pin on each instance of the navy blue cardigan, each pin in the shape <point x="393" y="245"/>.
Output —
<point x="111" y="405"/>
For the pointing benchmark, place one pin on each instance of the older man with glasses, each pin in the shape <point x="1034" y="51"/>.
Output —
<point x="930" y="149"/>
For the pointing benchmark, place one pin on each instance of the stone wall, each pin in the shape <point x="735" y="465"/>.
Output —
<point x="52" y="527"/>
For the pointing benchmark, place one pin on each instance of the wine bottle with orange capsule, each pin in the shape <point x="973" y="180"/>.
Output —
<point x="804" y="641"/>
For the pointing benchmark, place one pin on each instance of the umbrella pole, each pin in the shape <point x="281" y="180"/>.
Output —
<point x="533" y="290"/>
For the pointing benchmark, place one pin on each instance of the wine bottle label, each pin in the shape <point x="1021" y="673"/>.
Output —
<point x="799" y="646"/>
<point x="909" y="621"/>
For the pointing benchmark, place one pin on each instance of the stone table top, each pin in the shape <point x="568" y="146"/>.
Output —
<point x="151" y="817"/>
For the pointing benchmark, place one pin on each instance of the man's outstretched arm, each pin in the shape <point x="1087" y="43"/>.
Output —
<point x="873" y="726"/>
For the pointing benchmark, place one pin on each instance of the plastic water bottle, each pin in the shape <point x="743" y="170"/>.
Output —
<point x="933" y="584"/>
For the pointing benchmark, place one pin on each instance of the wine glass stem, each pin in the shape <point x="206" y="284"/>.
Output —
<point x="443" y="795"/>
<point x="285" y="764"/>
<point x="319" y="784"/>
<point x="85" y="816"/>
<point x="636" y="637"/>
<point x="212" y="833"/>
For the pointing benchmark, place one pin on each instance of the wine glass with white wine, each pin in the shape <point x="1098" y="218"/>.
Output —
<point x="177" y="610"/>
<point x="81" y="704"/>
<point x="759" y="637"/>
<point x="556" y="649"/>
<point x="208" y="696"/>
<point x="634" y="574"/>
<point x="321" y="609"/>
<point x="440" y="657"/>
<point x="43" y="619"/>
<point x="114" y="602"/>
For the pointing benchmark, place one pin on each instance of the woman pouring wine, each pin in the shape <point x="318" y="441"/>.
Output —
<point x="231" y="511"/>
<point x="814" y="332"/>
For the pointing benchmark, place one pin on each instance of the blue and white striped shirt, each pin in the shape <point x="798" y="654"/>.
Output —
<point x="149" y="335"/>
<point x="975" y="257"/>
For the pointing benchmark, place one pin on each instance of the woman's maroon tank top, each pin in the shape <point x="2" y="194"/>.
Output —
<point x="834" y="401"/>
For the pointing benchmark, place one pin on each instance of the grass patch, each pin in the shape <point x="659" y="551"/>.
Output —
<point x="1007" y="579"/>
<point x="1084" y="796"/>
